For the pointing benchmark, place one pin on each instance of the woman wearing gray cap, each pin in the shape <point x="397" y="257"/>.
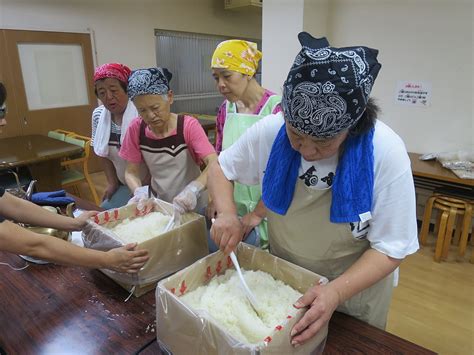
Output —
<point x="332" y="177"/>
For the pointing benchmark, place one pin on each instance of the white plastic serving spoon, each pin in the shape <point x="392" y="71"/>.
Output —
<point x="250" y="296"/>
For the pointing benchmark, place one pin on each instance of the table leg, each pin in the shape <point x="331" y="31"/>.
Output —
<point x="48" y="174"/>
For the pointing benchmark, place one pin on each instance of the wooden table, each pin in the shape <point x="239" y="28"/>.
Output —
<point x="48" y="309"/>
<point x="41" y="154"/>
<point x="51" y="309"/>
<point x="432" y="169"/>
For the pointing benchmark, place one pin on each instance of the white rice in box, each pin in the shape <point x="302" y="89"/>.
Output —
<point x="225" y="301"/>
<point x="140" y="229"/>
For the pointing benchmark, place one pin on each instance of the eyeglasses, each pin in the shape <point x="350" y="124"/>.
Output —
<point x="3" y="110"/>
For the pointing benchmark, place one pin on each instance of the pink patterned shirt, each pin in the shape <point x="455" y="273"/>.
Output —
<point x="198" y="144"/>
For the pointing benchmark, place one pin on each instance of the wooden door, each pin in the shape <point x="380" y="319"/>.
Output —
<point x="33" y="115"/>
<point x="13" y="127"/>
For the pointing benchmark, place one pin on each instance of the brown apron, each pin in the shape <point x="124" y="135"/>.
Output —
<point x="170" y="164"/>
<point x="305" y="236"/>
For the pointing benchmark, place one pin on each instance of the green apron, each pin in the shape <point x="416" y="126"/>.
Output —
<point x="246" y="197"/>
<point x="306" y="237"/>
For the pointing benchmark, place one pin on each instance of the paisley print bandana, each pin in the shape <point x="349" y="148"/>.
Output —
<point x="151" y="81"/>
<point x="237" y="55"/>
<point x="112" y="70"/>
<point x="327" y="88"/>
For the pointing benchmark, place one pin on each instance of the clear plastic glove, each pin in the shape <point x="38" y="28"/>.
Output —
<point x="141" y="199"/>
<point x="186" y="200"/>
<point x="140" y="193"/>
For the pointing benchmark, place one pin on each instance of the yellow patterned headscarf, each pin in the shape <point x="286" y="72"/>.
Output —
<point x="237" y="55"/>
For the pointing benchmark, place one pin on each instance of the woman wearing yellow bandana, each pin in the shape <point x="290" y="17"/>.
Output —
<point x="234" y="64"/>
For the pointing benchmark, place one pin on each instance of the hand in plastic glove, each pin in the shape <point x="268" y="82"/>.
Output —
<point x="126" y="259"/>
<point x="141" y="199"/>
<point x="186" y="200"/>
<point x="322" y="301"/>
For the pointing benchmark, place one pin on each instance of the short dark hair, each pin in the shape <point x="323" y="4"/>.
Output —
<point x="367" y="121"/>
<point x="122" y="84"/>
<point x="3" y="94"/>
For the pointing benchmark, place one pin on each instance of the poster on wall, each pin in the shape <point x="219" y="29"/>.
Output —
<point x="413" y="93"/>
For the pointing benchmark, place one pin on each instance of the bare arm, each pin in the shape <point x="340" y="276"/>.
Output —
<point x="24" y="211"/>
<point x="227" y="230"/>
<point x="132" y="176"/>
<point x="18" y="240"/>
<point x="111" y="175"/>
<point x="208" y="160"/>
<point x="323" y="300"/>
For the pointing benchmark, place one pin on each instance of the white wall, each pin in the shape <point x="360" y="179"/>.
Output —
<point x="124" y="29"/>
<point x="281" y="23"/>
<point x="419" y="40"/>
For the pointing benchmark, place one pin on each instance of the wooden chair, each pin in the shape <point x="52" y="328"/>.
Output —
<point x="71" y="176"/>
<point x="449" y="209"/>
<point x="57" y="135"/>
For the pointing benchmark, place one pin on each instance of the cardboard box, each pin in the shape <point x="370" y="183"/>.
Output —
<point x="183" y="331"/>
<point x="169" y="252"/>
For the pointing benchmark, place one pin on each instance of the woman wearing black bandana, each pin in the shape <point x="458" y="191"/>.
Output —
<point x="18" y="240"/>
<point x="332" y="175"/>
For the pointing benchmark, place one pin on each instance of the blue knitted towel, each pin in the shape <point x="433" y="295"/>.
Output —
<point x="53" y="198"/>
<point x="353" y="185"/>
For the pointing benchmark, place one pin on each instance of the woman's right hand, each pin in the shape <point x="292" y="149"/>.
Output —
<point x="109" y="192"/>
<point x="126" y="259"/>
<point x="227" y="232"/>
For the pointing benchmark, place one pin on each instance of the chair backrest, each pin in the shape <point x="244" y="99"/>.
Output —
<point x="63" y="131"/>
<point x="80" y="141"/>
<point x="56" y="135"/>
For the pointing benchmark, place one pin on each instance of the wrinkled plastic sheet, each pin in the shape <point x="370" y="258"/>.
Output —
<point x="460" y="163"/>
<point x="169" y="252"/>
<point x="183" y="330"/>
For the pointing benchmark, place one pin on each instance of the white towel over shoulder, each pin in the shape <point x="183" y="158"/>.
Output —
<point x="102" y="135"/>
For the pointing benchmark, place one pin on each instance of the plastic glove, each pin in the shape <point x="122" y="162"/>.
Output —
<point x="141" y="198"/>
<point x="186" y="200"/>
<point x="140" y="193"/>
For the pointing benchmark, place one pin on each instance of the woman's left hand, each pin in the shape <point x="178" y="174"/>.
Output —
<point x="249" y="222"/>
<point x="322" y="301"/>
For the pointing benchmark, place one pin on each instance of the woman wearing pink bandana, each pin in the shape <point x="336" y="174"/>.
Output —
<point x="109" y="125"/>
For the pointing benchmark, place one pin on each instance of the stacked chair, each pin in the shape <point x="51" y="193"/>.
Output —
<point x="76" y="169"/>
<point x="453" y="221"/>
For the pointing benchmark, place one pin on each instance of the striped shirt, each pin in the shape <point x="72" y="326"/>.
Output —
<point x="115" y="128"/>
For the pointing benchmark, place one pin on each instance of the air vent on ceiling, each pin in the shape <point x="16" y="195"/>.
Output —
<point x="242" y="4"/>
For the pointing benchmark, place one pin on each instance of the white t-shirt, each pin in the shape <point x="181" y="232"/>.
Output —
<point x="392" y="230"/>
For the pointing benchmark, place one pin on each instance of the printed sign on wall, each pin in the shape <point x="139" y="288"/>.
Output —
<point x="413" y="93"/>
